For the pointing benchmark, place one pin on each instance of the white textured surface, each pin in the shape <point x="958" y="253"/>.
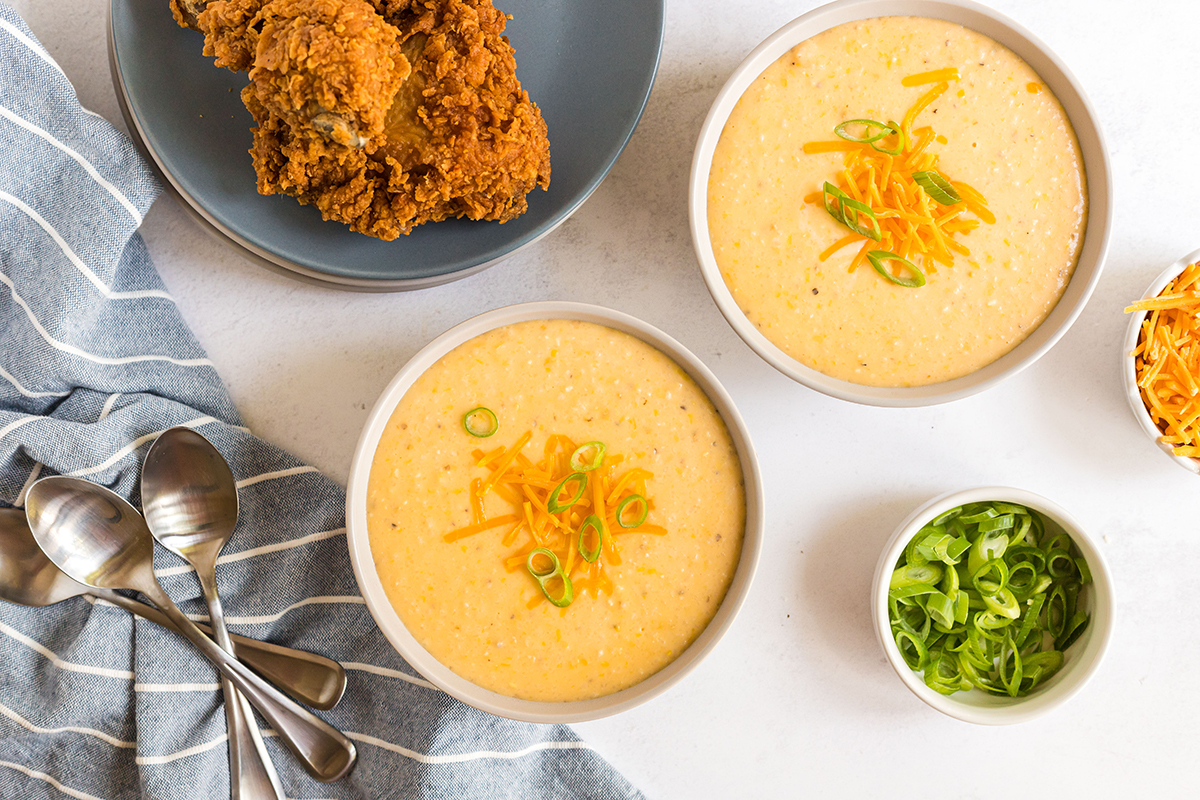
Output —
<point x="798" y="699"/>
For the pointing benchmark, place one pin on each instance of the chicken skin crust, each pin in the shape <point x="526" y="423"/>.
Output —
<point x="383" y="114"/>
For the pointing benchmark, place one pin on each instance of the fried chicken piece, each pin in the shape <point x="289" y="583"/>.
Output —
<point x="230" y="28"/>
<point x="331" y="65"/>
<point x="383" y="114"/>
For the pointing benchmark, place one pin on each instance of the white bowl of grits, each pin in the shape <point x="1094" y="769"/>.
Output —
<point x="1175" y="418"/>
<point x="1074" y="662"/>
<point x="901" y="202"/>
<point x="554" y="512"/>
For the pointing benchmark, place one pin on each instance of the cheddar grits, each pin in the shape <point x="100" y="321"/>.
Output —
<point x="998" y="128"/>
<point x="487" y="622"/>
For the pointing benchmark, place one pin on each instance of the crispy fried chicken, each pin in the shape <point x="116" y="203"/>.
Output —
<point x="384" y="114"/>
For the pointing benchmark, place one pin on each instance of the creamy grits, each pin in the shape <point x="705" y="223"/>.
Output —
<point x="590" y="383"/>
<point x="1004" y="133"/>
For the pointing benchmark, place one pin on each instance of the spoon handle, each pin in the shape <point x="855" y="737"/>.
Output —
<point x="251" y="773"/>
<point x="309" y="678"/>
<point x="324" y="751"/>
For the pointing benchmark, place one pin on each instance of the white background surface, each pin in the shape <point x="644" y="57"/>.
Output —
<point x="797" y="700"/>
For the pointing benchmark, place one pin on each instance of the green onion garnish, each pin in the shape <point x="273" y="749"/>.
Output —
<point x="877" y="257"/>
<point x="937" y="187"/>
<point x="901" y="141"/>
<point x="554" y="504"/>
<point x="588" y="457"/>
<point x="621" y="506"/>
<point x="884" y="130"/>
<point x="596" y="524"/>
<point x="481" y="422"/>
<point x="846" y="205"/>
<point x="543" y="577"/>
<point x="997" y="620"/>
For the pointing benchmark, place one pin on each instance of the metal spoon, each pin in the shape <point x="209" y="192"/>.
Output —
<point x="97" y="538"/>
<point x="190" y="502"/>
<point x="28" y="578"/>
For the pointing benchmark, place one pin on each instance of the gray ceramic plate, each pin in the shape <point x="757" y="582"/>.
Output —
<point x="588" y="66"/>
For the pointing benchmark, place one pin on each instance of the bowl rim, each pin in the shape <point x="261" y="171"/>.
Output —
<point x="1129" y="371"/>
<point x="1092" y="147"/>
<point x="372" y="589"/>
<point x="1082" y="659"/>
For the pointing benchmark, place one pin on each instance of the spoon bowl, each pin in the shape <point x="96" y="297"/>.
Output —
<point x="98" y="538"/>
<point x="27" y="577"/>
<point x="189" y="495"/>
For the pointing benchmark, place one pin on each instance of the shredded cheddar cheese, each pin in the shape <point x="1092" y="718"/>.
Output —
<point x="529" y="488"/>
<point x="911" y="223"/>
<point x="1167" y="361"/>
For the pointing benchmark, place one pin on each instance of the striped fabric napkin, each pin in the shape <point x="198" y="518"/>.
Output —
<point x="95" y="361"/>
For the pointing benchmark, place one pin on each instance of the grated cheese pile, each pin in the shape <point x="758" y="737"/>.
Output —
<point x="527" y="487"/>
<point x="1167" y="361"/>
<point x="911" y="223"/>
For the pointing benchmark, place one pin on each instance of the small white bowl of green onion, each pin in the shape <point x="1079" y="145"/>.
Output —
<point x="993" y="605"/>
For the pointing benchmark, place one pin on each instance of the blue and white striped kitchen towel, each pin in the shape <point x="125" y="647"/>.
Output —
<point x="95" y="360"/>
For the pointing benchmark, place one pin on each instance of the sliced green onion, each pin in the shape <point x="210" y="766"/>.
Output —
<point x="995" y="568"/>
<point x="1057" y="542"/>
<point x="901" y="141"/>
<point x="957" y="548"/>
<point x="877" y="257"/>
<point x="481" y="422"/>
<point x="1060" y="565"/>
<point x="1025" y="554"/>
<point x="580" y="460"/>
<point x="543" y="577"/>
<point x="908" y="576"/>
<point x="1002" y="523"/>
<point x="884" y="130"/>
<point x="946" y="516"/>
<point x="911" y="590"/>
<point x="997" y="620"/>
<point x="1030" y="623"/>
<point x="937" y="187"/>
<point x="987" y="547"/>
<point x="621" y="506"/>
<point x="596" y="524"/>
<point x="915" y="655"/>
<point x="1004" y="603"/>
<point x="554" y="505"/>
<point x="941" y="609"/>
<point x="978" y="515"/>
<point x="1085" y="574"/>
<point x="1021" y="579"/>
<point x="1075" y="629"/>
<point x="962" y="607"/>
<point x="950" y="582"/>
<point x="846" y="204"/>
<point x="1012" y="682"/>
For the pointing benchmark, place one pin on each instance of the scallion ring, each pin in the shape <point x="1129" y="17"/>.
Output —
<point x="481" y="422"/>
<point x="588" y="457"/>
<point x="596" y="524"/>
<point x="543" y="577"/>
<point x="937" y="187"/>
<point x="884" y="130"/>
<point x="901" y="141"/>
<point x="621" y="506"/>
<point x="847" y="204"/>
<point x="877" y="257"/>
<point x="554" y="504"/>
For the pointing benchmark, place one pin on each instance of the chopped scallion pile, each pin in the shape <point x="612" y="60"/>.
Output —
<point x="998" y="619"/>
